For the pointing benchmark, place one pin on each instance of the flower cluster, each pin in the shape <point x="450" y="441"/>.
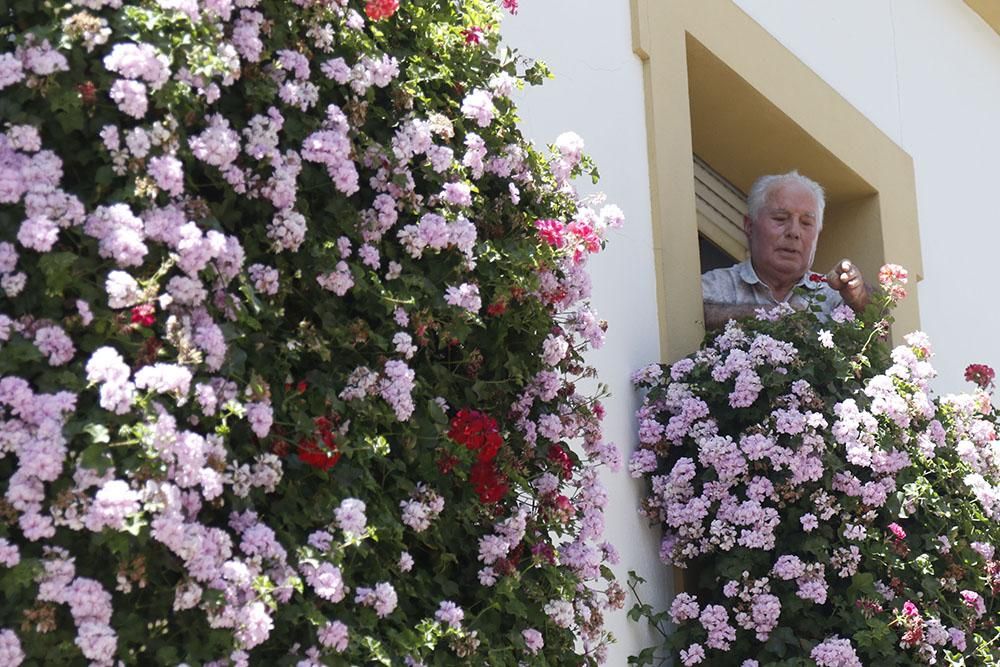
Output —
<point x="478" y="433"/>
<point x="824" y="490"/>
<point x="251" y="254"/>
<point x="980" y="374"/>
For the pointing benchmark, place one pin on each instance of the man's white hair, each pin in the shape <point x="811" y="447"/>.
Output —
<point x="763" y="186"/>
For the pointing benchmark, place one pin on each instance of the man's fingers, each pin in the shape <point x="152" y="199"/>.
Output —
<point x="843" y="272"/>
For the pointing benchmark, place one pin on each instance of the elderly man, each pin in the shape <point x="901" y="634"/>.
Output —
<point x="784" y="221"/>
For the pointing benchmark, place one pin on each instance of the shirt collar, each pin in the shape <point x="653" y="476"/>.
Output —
<point x="809" y="280"/>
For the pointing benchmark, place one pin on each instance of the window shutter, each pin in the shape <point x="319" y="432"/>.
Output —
<point x="720" y="206"/>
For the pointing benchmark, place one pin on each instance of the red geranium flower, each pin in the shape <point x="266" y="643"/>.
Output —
<point x="312" y="454"/>
<point x="144" y="315"/>
<point x="490" y="485"/>
<point x="447" y="463"/>
<point x="498" y="307"/>
<point x="88" y="92"/>
<point x="478" y="432"/>
<point x="381" y="9"/>
<point x="981" y="374"/>
<point x="321" y="453"/>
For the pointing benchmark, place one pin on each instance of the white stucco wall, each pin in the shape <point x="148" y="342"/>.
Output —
<point x="925" y="73"/>
<point x="597" y="92"/>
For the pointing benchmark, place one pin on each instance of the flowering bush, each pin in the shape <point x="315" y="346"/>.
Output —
<point x="829" y="510"/>
<point x="290" y="325"/>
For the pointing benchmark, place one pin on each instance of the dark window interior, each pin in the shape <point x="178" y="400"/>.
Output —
<point x="712" y="256"/>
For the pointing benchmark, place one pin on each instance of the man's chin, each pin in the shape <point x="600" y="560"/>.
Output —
<point x="792" y="269"/>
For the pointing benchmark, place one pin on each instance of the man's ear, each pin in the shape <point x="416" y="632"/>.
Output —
<point x="747" y="225"/>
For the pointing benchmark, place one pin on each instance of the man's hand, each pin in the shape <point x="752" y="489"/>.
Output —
<point x="846" y="278"/>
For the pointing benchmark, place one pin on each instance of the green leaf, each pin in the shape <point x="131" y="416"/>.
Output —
<point x="57" y="269"/>
<point x="16" y="353"/>
<point x="17" y="578"/>
<point x="96" y="457"/>
<point x="435" y="412"/>
<point x="645" y="657"/>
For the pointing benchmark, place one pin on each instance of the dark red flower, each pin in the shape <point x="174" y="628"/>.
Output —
<point x="869" y="608"/>
<point x="508" y="565"/>
<point x="279" y="447"/>
<point x="144" y="315"/>
<point x="817" y="278"/>
<point x="544" y="552"/>
<point x="980" y="374"/>
<point x="88" y="92"/>
<point x="490" y="485"/>
<point x="559" y="456"/>
<point x="498" y="307"/>
<point x="381" y="9"/>
<point x="447" y="463"/>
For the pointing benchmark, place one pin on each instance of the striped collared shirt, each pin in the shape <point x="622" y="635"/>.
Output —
<point x="739" y="284"/>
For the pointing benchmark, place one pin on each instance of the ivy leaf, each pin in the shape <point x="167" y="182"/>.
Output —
<point x="98" y="433"/>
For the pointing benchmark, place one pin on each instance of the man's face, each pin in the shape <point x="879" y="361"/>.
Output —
<point x="783" y="237"/>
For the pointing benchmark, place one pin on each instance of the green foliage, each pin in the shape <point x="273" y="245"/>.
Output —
<point x="835" y="488"/>
<point x="289" y="406"/>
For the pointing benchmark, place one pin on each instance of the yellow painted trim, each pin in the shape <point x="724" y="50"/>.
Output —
<point x="719" y="85"/>
<point x="675" y="246"/>
<point x="989" y="10"/>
